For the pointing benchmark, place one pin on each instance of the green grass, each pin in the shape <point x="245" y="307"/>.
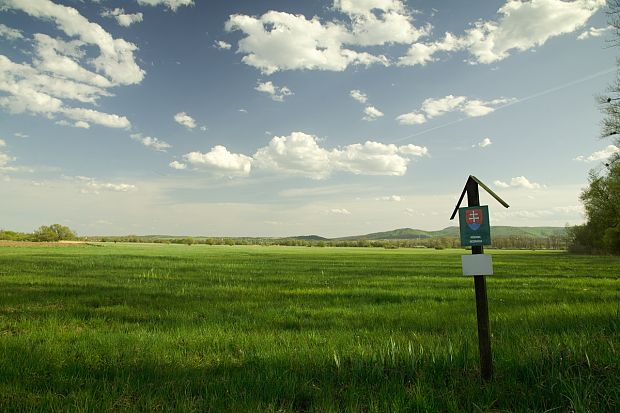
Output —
<point x="281" y="329"/>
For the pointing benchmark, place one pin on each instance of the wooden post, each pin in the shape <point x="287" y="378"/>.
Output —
<point x="482" y="306"/>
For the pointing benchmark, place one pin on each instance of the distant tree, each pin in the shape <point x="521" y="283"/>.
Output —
<point x="601" y="200"/>
<point x="54" y="232"/>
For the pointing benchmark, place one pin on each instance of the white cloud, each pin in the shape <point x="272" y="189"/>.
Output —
<point x="359" y="95"/>
<point x="100" y="118"/>
<point x="423" y="53"/>
<point x="594" y="32"/>
<point x="10" y="33"/>
<point x="116" y="57"/>
<point x="177" y="165"/>
<point x="276" y="93"/>
<point x="432" y="108"/>
<point x="523" y="25"/>
<point x="599" y="155"/>
<point x="282" y="41"/>
<point x="222" y="45"/>
<point x="483" y="143"/>
<point x="220" y="160"/>
<point x="411" y="118"/>
<point x="437" y="107"/>
<point x="184" y="119"/>
<point x="2" y="143"/>
<point x="372" y="113"/>
<point x="79" y="124"/>
<point x="297" y="154"/>
<point x="63" y="71"/>
<point x="21" y="135"/>
<point x="151" y="142"/>
<point x="170" y="4"/>
<point x="122" y="18"/>
<point x="300" y="154"/>
<point x="392" y="198"/>
<point x="414" y="150"/>
<point x="518" y="182"/>
<point x="377" y="22"/>
<point x="93" y="186"/>
<point x="339" y="211"/>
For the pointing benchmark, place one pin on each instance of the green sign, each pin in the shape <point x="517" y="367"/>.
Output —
<point x="474" y="225"/>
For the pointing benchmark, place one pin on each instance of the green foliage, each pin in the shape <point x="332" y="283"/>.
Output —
<point x="135" y="327"/>
<point x="54" y="232"/>
<point x="601" y="200"/>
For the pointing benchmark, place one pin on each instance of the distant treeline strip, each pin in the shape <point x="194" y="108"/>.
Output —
<point x="506" y="242"/>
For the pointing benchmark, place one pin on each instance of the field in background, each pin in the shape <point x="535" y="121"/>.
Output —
<point x="263" y="329"/>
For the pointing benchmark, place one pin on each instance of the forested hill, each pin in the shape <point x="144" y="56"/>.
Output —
<point x="498" y="231"/>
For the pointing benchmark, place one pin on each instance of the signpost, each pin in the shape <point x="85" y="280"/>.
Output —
<point x="476" y="232"/>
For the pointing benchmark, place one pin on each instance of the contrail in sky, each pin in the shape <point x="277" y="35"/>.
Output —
<point x="520" y="100"/>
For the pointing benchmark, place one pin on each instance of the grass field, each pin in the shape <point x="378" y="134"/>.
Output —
<point x="281" y="329"/>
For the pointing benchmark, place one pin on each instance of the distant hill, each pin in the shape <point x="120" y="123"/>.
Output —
<point x="498" y="231"/>
<point x="310" y="238"/>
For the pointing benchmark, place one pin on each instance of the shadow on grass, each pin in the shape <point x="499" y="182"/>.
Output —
<point x="83" y="377"/>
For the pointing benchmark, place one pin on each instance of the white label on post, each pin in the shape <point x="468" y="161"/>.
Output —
<point x="478" y="264"/>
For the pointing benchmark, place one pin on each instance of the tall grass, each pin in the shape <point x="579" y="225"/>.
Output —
<point x="275" y="329"/>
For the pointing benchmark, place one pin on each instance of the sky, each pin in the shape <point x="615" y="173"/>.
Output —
<point x="282" y="118"/>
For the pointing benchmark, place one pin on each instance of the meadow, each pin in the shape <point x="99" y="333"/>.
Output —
<point x="124" y="328"/>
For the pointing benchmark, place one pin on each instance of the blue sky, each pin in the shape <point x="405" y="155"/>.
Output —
<point x="278" y="118"/>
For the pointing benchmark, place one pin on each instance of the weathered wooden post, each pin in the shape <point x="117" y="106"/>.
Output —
<point x="476" y="232"/>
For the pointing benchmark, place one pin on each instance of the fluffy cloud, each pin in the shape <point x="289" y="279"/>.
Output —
<point x="377" y="22"/>
<point x="116" y="57"/>
<point x="483" y="143"/>
<point x="276" y="93"/>
<point x="413" y="150"/>
<point x="122" y="18"/>
<point x="339" y="211"/>
<point x="79" y="124"/>
<point x="151" y="142"/>
<point x="2" y="143"/>
<point x="300" y="154"/>
<point x="283" y="41"/>
<point x="359" y="95"/>
<point x="177" y="165"/>
<point x="170" y="4"/>
<point x="184" y="119"/>
<point x="423" y="53"/>
<point x="526" y="24"/>
<point x="521" y="25"/>
<point x="221" y="161"/>
<point x="411" y="118"/>
<point x="10" y="33"/>
<point x="93" y="186"/>
<point x="432" y="108"/>
<point x="67" y="70"/>
<point x="372" y="113"/>
<point x="100" y="118"/>
<point x="593" y="32"/>
<point x="222" y="45"/>
<point x="297" y="154"/>
<point x="518" y="182"/>
<point x="599" y="155"/>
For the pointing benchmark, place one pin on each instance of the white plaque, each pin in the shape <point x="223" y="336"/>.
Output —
<point x="477" y="264"/>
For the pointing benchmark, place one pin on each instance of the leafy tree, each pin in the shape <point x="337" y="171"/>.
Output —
<point x="54" y="232"/>
<point x="601" y="199"/>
